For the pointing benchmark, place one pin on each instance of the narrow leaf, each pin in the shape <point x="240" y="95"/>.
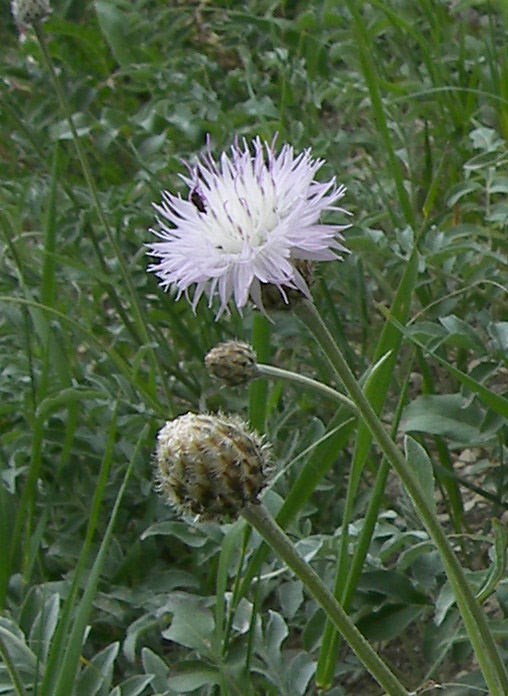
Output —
<point x="419" y="460"/>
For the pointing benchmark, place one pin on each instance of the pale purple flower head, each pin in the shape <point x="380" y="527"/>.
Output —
<point x="248" y="218"/>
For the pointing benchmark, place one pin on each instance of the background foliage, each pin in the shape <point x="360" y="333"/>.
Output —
<point x="408" y="104"/>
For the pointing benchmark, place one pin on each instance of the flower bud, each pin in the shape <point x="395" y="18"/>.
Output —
<point x="26" y="12"/>
<point x="233" y="362"/>
<point x="210" y="465"/>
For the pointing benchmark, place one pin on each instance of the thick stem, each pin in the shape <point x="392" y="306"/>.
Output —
<point x="474" y="619"/>
<point x="259" y="517"/>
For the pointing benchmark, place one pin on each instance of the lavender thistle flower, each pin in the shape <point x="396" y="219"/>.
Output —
<point x="249" y="219"/>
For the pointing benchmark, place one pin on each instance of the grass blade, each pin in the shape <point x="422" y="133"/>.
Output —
<point x="376" y="390"/>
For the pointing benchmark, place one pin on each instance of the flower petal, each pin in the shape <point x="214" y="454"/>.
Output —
<point x="248" y="217"/>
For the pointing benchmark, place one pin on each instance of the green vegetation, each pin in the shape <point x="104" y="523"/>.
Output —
<point x="104" y="590"/>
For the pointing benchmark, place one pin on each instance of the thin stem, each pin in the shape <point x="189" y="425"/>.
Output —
<point x="324" y="389"/>
<point x="474" y="619"/>
<point x="347" y="577"/>
<point x="11" y="668"/>
<point x="259" y="517"/>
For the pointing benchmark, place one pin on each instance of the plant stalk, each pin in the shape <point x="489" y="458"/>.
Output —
<point x="259" y="517"/>
<point x="475" y="622"/>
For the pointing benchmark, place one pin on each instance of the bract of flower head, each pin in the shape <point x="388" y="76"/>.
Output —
<point x="26" y="12"/>
<point x="248" y="218"/>
<point x="210" y="465"/>
<point x="233" y="362"/>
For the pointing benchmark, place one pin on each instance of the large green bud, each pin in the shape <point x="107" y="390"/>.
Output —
<point x="210" y="465"/>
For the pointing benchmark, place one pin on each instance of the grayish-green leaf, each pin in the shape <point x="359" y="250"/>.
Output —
<point x="419" y="460"/>
<point x="192" y="624"/>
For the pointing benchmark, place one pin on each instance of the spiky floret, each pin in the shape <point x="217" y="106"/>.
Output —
<point x="210" y="465"/>
<point x="249" y="218"/>
<point x="233" y="362"/>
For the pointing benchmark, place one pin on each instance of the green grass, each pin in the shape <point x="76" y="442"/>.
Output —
<point x="99" y="580"/>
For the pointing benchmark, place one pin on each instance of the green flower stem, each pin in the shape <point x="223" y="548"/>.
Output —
<point x="324" y="389"/>
<point x="347" y="578"/>
<point x="259" y="517"/>
<point x="258" y="391"/>
<point x="474" y="619"/>
<point x="87" y="173"/>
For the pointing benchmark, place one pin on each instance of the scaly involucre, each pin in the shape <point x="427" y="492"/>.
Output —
<point x="210" y="465"/>
<point x="26" y="12"/>
<point x="248" y="219"/>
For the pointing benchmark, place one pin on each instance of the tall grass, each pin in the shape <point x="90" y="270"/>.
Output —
<point x="99" y="582"/>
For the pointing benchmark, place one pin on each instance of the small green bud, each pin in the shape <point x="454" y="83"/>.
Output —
<point x="233" y="362"/>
